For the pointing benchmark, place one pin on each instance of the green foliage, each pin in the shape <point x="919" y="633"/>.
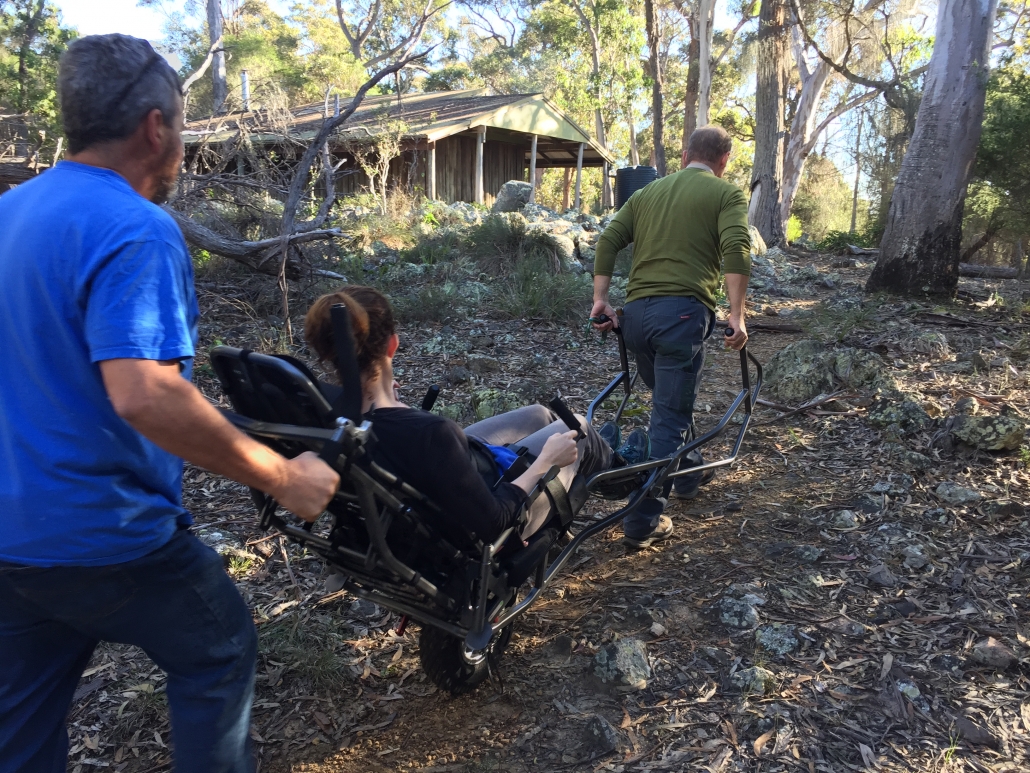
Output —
<point x="428" y="303"/>
<point x="823" y="201"/>
<point x="326" y="60"/>
<point x="313" y="645"/>
<point x="496" y="268"/>
<point x="794" y="228"/>
<point x="1002" y="187"/>
<point x="534" y="291"/>
<point x="32" y="40"/>
<point x="257" y="40"/>
<point x="435" y="248"/>
<point x="838" y="241"/>
<point x="501" y="244"/>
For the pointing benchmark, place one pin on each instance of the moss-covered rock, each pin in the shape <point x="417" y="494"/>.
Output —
<point x="624" y="664"/>
<point x="928" y="342"/>
<point x="989" y="433"/>
<point x="491" y="402"/>
<point x="805" y="369"/>
<point x="905" y="459"/>
<point x="754" y="681"/>
<point x="894" y="408"/>
<point x="453" y="411"/>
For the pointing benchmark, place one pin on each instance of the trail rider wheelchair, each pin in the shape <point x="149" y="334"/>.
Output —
<point x="384" y="536"/>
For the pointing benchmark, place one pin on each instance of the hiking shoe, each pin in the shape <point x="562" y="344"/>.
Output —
<point x="637" y="447"/>
<point x="661" y="532"/>
<point x="691" y="492"/>
<point x="610" y="434"/>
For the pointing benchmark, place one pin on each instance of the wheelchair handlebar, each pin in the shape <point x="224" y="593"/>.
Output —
<point x="559" y="407"/>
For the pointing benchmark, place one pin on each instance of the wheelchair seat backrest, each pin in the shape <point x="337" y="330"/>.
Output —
<point x="281" y="390"/>
<point x="271" y="389"/>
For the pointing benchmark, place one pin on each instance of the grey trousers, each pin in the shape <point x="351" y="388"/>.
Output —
<point x="529" y="428"/>
<point x="667" y="334"/>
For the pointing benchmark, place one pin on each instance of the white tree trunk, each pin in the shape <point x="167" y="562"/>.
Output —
<point x="653" y="28"/>
<point x="803" y="135"/>
<point x="705" y="31"/>
<point x="634" y="151"/>
<point x="920" y="251"/>
<point x="767" y="170"/>
<point x="218" y="87"/>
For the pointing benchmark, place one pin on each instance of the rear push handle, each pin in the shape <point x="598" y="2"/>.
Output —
<point x="430" y="399"/>
<point x="600" y="319"/>
<point x="559" y="407"/>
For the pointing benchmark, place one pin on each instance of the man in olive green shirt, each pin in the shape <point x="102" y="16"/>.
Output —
<point x="686" y="229"/>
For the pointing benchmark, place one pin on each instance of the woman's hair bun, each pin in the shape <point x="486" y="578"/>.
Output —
<point x="371" y="322"/>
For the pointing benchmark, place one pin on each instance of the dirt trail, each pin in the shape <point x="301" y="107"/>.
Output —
<point x="879" y="670"/>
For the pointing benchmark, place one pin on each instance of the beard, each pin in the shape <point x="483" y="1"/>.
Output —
<point x="165" y="188"/>
<point x="170" y="165"/>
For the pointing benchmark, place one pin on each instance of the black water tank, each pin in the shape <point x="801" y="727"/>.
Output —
<point x="631" y="179"/>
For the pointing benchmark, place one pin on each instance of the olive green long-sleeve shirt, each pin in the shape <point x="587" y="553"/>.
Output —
<point x="683" y="228"/>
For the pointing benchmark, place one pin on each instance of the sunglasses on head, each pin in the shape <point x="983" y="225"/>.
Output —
<point x="150" y="64"/>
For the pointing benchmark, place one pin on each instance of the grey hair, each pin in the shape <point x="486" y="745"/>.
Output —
<point x="709" y="143"/>
<point x="108" y="83"/>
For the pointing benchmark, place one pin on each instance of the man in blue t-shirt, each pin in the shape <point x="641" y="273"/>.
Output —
<point x="98" y="324"/>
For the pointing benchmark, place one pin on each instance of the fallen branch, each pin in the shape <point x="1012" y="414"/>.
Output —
<point x="992" y="400"/>
<point x="952" y="321"/>
<point x="989" y="272"/>
<point x="809" y="406"/>
<point x="856" y="250"/>
<point x="768" y="327"/>
<point x="259" y="255"/>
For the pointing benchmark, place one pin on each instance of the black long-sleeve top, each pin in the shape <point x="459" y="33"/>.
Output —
<point x="432" y="454"/>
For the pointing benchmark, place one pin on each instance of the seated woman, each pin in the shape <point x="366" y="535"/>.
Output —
<point x="431" y="452"/>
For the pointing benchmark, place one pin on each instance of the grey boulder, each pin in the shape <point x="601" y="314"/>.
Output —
<point x="513" y="196"/>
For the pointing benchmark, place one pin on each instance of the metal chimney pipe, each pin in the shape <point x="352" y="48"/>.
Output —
<point x="336" y="105"/>
<point x="245" y="85"/>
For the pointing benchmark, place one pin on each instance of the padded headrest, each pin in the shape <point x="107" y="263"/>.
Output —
<point x="270" y="389"/>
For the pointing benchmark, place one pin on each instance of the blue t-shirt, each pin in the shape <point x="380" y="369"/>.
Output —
<point x="89" y="271"/>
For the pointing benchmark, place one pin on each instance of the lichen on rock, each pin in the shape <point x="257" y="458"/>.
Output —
<point x="492" y="402"/>
<point x="624" y="665"/>
<point x="895" y="408"/>
<point x="804" y="369"/>
<point x="755" y="680"/>
<point x="777" y="638"/>
<point x="989" y="433"/>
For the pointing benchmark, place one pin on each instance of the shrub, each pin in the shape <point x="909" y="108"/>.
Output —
<point x="794" y="229"/>
<point x="502" y="244"/>
<point x="838" y="241"/>
<point x="532" y="290"/>
<point x="429" y="303"/>
<point x="435" y="248"/>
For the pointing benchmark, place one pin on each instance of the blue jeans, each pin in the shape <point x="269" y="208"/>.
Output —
<point x="667" y="334"/>
<point x="177" y="604"/>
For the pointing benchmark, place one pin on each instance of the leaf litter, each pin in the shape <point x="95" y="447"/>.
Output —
<point x="908" y="618"/>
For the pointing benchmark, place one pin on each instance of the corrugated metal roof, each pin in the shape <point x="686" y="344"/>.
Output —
<point x="428" y="116"/>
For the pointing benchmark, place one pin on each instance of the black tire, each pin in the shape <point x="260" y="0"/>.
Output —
<point x="443" y="659"/>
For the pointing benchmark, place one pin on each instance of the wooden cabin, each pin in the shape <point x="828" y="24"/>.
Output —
<point x="457" y="146"/>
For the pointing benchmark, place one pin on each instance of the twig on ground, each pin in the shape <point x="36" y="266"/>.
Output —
<point x="289" y="569"/>
<point x="814" y="404"/>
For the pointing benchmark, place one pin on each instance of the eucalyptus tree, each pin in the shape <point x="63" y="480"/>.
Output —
<point x="702" y="61"/>
<point x="217" y="53"/>
<point x="32" y="39"/>
<point x="771" y="72"/>
<point x="920" y="250"/>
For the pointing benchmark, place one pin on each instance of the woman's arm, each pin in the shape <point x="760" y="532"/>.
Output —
<point x="460" y="491"/>
<point x="559" y="451"/>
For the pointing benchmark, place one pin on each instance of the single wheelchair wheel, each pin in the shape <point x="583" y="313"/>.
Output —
<point x="450" y="666"/>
